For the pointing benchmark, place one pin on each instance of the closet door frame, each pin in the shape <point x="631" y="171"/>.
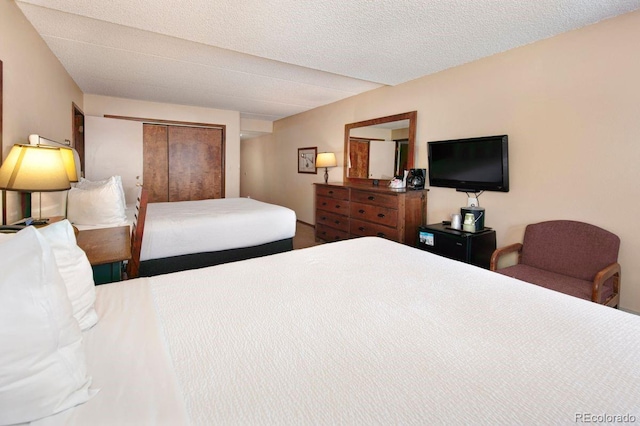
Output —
<point x="222" y="127"/>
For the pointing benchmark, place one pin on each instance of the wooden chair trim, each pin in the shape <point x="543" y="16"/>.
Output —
<point x="133" y="266"/>
<point x="498" y="253"/>
<point x="613" y="270"/>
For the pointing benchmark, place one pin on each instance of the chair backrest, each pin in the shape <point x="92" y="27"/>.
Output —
<point x="570" y="248"/>
<point x="136" y="234"/>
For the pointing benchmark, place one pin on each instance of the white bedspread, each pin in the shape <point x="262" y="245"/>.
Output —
<point x="367" y="331"/>
<point x="129" y="364"/>
<point x="187" y="227"/>
<point x="363" y="331"/>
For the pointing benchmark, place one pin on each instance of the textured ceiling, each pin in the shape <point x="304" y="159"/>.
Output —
<point x="270" y="59"/>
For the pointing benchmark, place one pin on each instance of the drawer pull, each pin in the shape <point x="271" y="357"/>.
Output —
<point x="361" y="211"/>
<point x="371" y="198"/>
<point x="381" y="234"/>
<point x="323" y="233"/>
<point x="337" y="222"/>
<point x="380" y="214"/>
<point x="330" y="192"/>
<point x="361" y="228"/>
<point x="324" y="203"/>
<point x="323" y="218"/>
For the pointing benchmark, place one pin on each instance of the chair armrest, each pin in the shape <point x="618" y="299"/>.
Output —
<point x="498" y="253"/>
<point x="613" y="270"/>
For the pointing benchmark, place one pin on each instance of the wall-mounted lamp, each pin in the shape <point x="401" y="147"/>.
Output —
<point x="30" y="168"/>
<point x="326" y="160"/>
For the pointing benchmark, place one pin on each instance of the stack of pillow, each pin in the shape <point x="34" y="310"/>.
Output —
<point x="47" y="297"/>
<point x="97" y="202"/>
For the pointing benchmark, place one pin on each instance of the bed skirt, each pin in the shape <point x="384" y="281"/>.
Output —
<point x="167" y="265"/>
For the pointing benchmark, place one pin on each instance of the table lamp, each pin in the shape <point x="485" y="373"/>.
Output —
<point x="326" y="160"/>
<point x="30" y="168"/>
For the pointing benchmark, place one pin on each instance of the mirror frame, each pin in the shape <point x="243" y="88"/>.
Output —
<point x="411" y="116"/>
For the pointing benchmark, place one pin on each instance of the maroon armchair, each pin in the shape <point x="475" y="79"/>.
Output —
<point x="571" y="257"/>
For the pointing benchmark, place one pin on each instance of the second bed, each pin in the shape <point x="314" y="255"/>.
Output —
<point x="194" y="234"/>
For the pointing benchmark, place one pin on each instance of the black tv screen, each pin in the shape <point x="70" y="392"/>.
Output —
<point x="470" y="165"/>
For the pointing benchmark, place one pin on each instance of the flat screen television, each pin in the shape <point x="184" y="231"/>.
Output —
<point x="470" y="165"/>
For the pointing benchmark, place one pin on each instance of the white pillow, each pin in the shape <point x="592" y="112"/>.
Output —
<point x="42" y="363"/>
<point x="102" y="205"/>
<point x="75" y="269"/>
<point x="113" y="180"/>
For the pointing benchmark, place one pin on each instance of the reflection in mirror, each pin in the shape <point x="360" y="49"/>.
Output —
<point x="380" y="148"/>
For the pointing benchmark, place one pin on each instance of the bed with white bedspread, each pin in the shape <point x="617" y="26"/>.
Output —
<point x="186" y="234"/>
<point x="364" y="331"/>
<point x="176" y="232"/>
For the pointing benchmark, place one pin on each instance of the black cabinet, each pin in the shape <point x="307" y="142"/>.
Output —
<point x="470" y="247"/>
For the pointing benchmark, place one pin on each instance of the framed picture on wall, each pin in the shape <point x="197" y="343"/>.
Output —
<point x="307" y="160"/>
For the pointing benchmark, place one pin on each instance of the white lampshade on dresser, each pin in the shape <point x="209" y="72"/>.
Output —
<point x="326" y="160"/>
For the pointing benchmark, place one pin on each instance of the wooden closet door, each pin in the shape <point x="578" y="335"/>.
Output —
<point x="196" y="163"/>
<point x="359" y="156"/>
<point x="155" y="169"/>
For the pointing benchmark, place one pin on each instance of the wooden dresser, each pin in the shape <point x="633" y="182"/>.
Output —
<point x="346" y="211"/>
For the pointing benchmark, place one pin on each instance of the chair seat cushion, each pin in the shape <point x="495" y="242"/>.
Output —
<point x="553" y="281"/>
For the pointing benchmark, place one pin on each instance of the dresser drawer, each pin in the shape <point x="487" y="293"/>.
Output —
<point x="333" y="205"/>
<point x="333" y="192"/>
<point x="333" y="220"/>
<point x="330" y="234"/>
<point x="382" y="200"/>
<point x="380" y="215"/>
<point x="368" y="229"/>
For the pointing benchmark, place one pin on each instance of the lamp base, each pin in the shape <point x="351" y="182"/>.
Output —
<point x="326" y="175"/>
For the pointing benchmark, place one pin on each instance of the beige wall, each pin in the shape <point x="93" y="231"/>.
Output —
<point x="254" y="167"/>
<point x="38" y="92"/>
<point x="571" y="108"/>
<point x="106" y="139"/>
<point x="103" y="105"/>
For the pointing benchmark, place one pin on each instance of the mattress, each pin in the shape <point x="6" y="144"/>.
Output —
<point x="363" y="331"/>
<point x="187" y="227"/>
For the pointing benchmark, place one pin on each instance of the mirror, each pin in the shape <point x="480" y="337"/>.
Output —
<point x="380" y="148"/>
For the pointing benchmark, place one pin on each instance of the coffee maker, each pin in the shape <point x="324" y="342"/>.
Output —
<point x="416" y="178"/>
<point x="474" y="222"/>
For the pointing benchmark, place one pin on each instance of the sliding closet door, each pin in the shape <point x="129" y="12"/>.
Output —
<point x="183" y="163"/>
<point x="195" y="163"/>
<point x="155" y="155"/>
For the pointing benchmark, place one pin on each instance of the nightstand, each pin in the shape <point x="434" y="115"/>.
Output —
<point x="106" y="249"/>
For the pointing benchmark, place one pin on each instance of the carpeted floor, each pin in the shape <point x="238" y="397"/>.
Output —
<point x="304" y="236"/>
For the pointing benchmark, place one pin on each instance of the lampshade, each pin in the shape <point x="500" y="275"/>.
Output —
<point x="69" y="160"/>
<point x="31" y="168"/>
<point x="326" y="159"/>
<point x="69" y="155"/>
